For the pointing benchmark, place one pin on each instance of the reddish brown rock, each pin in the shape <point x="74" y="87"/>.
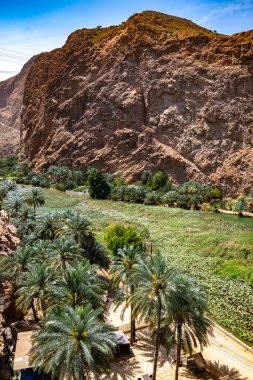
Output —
<point x="11" y="98"/>
<point x="155" y="92"/>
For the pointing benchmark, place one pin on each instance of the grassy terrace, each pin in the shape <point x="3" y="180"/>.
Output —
<point x="218" y="249"/>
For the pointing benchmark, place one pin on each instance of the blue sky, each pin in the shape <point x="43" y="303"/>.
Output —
<point x="32" y="26"/>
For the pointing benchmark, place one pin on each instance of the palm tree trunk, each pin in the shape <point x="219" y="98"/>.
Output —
<point x="43" y="308"/>
<point x="35" y="316"/>
<point x="34" y="209"/>
<point x="157" y="342"/>
<point x="132" y="334"/>
<point x="179" y="345"/>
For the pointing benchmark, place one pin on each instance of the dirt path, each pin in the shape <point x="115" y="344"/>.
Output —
<point x="224" y="354"/>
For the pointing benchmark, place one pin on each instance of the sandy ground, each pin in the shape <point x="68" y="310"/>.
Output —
<point x="223" y="353"/>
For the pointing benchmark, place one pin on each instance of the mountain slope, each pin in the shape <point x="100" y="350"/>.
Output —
<point x="155" y="92"/>
<point x="11" y="98"/>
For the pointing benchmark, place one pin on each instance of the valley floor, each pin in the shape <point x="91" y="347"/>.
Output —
<point x="218" y="251"/>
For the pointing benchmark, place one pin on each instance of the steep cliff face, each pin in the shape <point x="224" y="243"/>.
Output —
<point x="155" y="92"/>
<point x="11" y="99"/>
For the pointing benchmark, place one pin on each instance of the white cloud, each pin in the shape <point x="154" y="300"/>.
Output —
<point x="226" y="9"/>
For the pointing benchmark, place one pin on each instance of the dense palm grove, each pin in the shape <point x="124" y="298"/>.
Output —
<point x="62" y="274"/>
<point x="151" y="188"/>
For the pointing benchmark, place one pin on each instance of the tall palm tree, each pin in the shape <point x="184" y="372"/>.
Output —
<point x="154" y="289"/>
<point x="80" y="284"/>
<point x="34" y="286"/>
<point x="186" y="323"/>
<point x="35" y="198"/>
<point x="73" y="344"/>
<point x="121" y="270"/>
<point x="97" y="254"/>
<point x="6" y="187"/>
<point x="64" y="250"/>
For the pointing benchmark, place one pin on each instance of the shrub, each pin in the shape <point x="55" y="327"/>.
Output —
<point x="99" y="187"/>
<point x="60" y="186"/>
<point x="170" y="198"/>
<point x="158" y="180"/>
<point x="118" y="236"/>
<point x="146" y="177"/>
<point x="152" y="199"/>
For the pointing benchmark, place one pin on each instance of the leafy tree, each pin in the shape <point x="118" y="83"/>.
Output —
<point x="158" y="180"/>
<point x="34" y="286"/>
<point x="74" y="344"/>
<point x="35" y="198"/>
<point x="98" y="186"/>
<point x="121" y="270"/>
<point x="154" y="291"/>
<point x="119" y="236"/>
<point x="79" y="285"/>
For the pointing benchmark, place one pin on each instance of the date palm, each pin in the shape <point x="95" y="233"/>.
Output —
<point x="48" y="225"/>
<point x="13" y="203"/>
<point x="73" y="344"/>
<point x="64" y="250"/>
<point x="121" y="269"/>
<point x="97" y="254"/>
<point x="80" y="284"/>
<point x="186" y="323"/>
<point x="17" y="263"/>
<point x="78" y="227"/>
<point x="154" y="290"/>
<point x="34" y="287"/>
<point x="5" y="187"/>
<point x="35" y="198"/>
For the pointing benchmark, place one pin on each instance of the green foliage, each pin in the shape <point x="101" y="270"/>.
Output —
<point x="8" y="166"/>
<point x="98" y="185"/>
<point x="84" y="344"/>
<point x="119" y="180"/>
<point x="146" y="177"/>
<point x="158" y="180"/>
<point x="129" y="194"/>
<point x="152" y="199"/>
<point x="119" y="236"/>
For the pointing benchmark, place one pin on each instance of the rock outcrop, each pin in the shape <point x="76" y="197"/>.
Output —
<point x="11" y="98"/>
<point x="155" y="92"/>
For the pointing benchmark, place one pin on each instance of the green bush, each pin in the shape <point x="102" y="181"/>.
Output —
<point x="98" y="185"/>
<point x="117" y="236"/>
<point x="152" y="199"/>
<point x="146" y="177"/>
<point x="158" y="181"/>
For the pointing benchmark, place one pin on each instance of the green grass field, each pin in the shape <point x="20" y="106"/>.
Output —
<point x="218" y="250"/>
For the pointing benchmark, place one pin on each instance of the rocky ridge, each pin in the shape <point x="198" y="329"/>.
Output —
<point x="154" y="92"/>
<point x="11" y="99"/>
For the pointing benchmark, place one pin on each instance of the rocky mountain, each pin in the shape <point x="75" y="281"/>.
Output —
<point x="11" y="98"/>
<point x="155" y="92"/>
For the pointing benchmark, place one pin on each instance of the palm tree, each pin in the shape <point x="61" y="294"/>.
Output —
<point x="24" y="221"/>
<point x="122" y="267"/>
<point x="64" y="250"/>
<point x="6" y="187"/>
<point x="13" y="203"/>
<point x="34" y="286"/>
<point x="35" y="198"/>
<point x="80" y="285"/>
<point x="97" y="254"/>
<point x="186" y="323"/>
<point x="78" y="227"/>
<point x="17" y="263"/>
<point x="73" y="344"/>
<point x="48" y="225"/>
<point x="154" y="289"/>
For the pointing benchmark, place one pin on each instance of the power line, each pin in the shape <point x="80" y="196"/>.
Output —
<point x="11" y="61"/>
<point x="16" y="57"/>
<point x="14" y="51"/>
